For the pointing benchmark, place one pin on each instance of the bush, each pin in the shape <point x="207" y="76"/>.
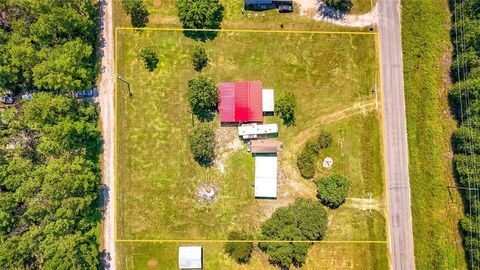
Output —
<point x="286" y="107"/>
<point x="241" y="252"/>
<point x="199" y="59"/>
<point x="306" y="163"/>
<point x="138" y="12"/>
<point x="340" y="5"/>
<point x="333" y="190"/>
<point x="202" y="95"/>
<point x="150" y="59"/>
<point x="324" y="140"/>
<point x="301" y="220"/>
<point x="202" y="145"/>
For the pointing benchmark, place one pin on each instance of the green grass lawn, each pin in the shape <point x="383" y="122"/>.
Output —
<point x="436" y="210"/>
<point x="157" y="178"/>
<point x="163" y="13"/>
<point x="321" y="256"/>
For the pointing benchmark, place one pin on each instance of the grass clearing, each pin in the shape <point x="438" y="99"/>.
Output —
<point x="332" y="77"/>
<point x="163" y="13"/>
<point x="436" y="210"/>
<point x="321" y="256"/>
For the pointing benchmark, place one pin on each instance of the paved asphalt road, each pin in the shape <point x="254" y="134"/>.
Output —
<point x="399" y="207"/>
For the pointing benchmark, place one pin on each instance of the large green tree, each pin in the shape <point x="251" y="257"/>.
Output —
<point x="333" y="190"/>
<point x="138" y="12"/>
<point x="202" y="145"/>
<point x="200" y="14"/>
<point x="202" y="95"/>
<point x="301" y="220"/>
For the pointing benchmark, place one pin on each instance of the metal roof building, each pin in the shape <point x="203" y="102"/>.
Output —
<point x="240" y="102"/>
<point x="264" y="146"/>
<point x="190" y="257"/>
<point x="266" y="177"/>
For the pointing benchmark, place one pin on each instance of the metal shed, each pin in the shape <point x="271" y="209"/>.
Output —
<point x="268" y="101"/>
<point x="190" y="257"/>
<point x="266" y="176"/>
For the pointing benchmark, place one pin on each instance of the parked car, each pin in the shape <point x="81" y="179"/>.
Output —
<point x="285" y="9"/>
<point x="7" y="100"/>
<point x="85" y="93"/>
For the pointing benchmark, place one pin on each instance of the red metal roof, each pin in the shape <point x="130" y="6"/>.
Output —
<point x="240" y="101"/>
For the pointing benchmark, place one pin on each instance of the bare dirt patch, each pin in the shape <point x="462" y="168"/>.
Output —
<point x="152" y="263"/>
<point x="227" y="141"/>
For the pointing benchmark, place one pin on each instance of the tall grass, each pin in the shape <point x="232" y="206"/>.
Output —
<point x="436" y="211"/>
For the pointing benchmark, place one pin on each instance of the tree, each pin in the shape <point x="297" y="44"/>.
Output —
<point x="301" y="220"/>
<point x="202" y="145"/>
<point x="340" y="5"/>
<point x="138" y="12"/>
<point x="241" y="252"/>
<point x="199" y="59"/>
<point x="286" y="107"/>
<point x="150" y="58"/>
<point x="200" y="14"/>
<point x="333" y="190"/>
<point x="202" y="94"/>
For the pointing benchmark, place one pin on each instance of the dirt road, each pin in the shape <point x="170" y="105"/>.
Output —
<point x="106" y="92"/>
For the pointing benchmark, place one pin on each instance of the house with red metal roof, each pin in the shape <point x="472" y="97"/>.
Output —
<point x="240" y="102"/>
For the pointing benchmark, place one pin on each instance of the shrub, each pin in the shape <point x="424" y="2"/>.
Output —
<point x="340" y="5"/>
<point x="138" y="12"/>
<point x="150" y="58"/>
<point x="202" y="95"/>
<point x="199" y="59"/>
<point x="301" y="220"/>
<point x="324" y="140"/>
<point x="241" y="252"/>
<point x="202" y="145"/>
<point x="306" y="163"/>
<point x="286" y="107"/>
<point x="333" y="190"/>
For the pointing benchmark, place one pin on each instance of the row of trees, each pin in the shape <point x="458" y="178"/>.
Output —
<point x="303" y="220"/>
<point x="50" y="145"/>
<point x="464" y="98"/>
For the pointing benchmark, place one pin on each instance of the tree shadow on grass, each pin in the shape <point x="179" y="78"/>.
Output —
<point x="200" y="35"/>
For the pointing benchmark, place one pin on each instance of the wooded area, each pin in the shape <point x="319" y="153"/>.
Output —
<point x="50" y="144"/>
<point x="464" y="99"/>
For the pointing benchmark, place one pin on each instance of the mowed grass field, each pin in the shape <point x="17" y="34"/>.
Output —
<point x="163" y="13"/>
<point x="157" y="178"/>
<point x="329" y="256"/>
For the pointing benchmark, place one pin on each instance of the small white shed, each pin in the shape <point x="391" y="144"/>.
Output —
<point x="268" y="101"/>
<point x="190" y="257"/>
<point x="266" y="176"/>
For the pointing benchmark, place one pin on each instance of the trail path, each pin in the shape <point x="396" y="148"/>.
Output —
<point x="321" y="12"/>
<point x="106" y="92"/>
